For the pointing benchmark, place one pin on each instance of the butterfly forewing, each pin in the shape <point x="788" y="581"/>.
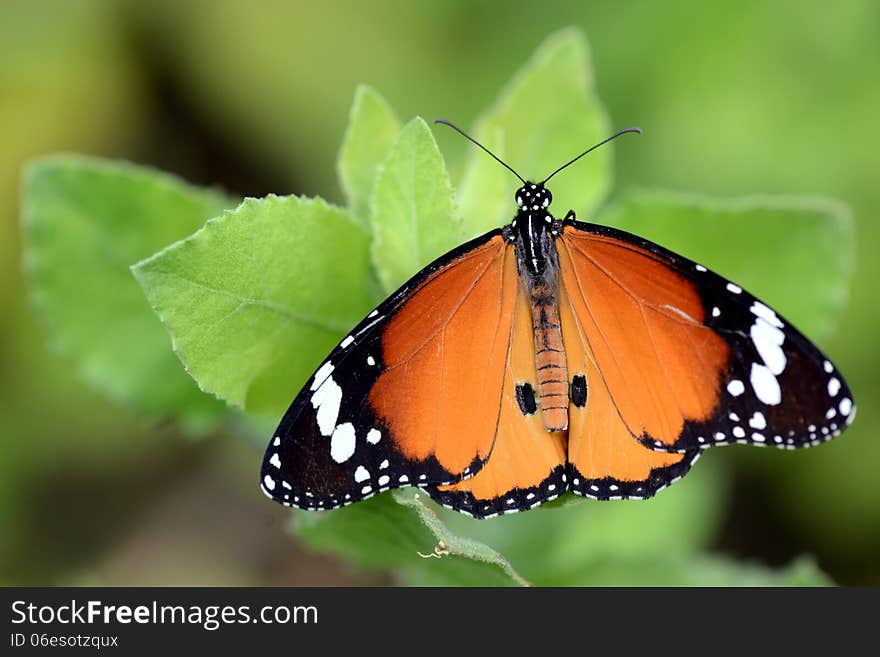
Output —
<point x="690" y="359"/>
<point x="427" y="364"/>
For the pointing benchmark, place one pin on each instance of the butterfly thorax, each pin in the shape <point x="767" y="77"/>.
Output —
<point x="533" y="231"/>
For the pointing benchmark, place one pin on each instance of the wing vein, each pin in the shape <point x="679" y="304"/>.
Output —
<point x="601" y="335"/>
<point x="639" y="300"/>
<point x="588" y="351"/>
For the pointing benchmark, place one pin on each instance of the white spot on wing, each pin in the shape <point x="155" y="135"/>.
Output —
<point x="275" y="460"/>
<point x="374" y="436"/>
<point x="758" y="421"/>
<point x="361" y="474"/>
<point x="765" y="385"/>
<point x="736" y="289"/>
<point x="321" y="375"/>
<point x="736" y="387"/>
<point x="268" y="482"/>
<point x="768" y="341"/>
<point x="348" y="340"/>
<point x="326" y="401"/>
<point x="833" y="387"/>
<point x="700" y="268"/>
<point x="342" y="442"/>
<point x="767" y="314"/>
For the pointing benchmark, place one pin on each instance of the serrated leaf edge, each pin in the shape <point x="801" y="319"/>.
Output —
<point x="138" y="267"/>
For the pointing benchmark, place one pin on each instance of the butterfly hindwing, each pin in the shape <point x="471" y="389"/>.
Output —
<point x="690" y="359"/>
<point x="426" y="365"/>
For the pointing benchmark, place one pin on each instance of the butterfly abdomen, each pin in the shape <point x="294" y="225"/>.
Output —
<point x="550" y="359"/>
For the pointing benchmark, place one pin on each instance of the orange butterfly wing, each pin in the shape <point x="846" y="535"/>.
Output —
<point x="690" y="359"/>
<point x="644" y="325"/>
<point x="444" y="357"/>
<point x="411" y="396"/>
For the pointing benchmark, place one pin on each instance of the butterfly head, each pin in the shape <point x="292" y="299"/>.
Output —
<point x="533" y="196"/>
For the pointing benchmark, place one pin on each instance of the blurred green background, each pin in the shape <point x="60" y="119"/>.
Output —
<point x="735" y="98"/>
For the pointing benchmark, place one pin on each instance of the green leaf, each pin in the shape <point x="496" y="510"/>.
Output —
<point x="257" y="297"/>
<point x="84" y="222"/>
<point x="450" y="544"/>
<point x="547" y="114"/>
<point x="372" y="127"/>
<point x="414" y="217"/>
<point x="795" y="253"/>
<point x="699" y="570"/>
<point x="397" y="531"/>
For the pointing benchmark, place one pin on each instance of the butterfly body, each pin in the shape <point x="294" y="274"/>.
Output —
<point x="534" y="231"/>
<point x="543" y="357"/>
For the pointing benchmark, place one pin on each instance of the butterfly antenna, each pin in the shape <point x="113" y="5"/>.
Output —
<point x="592" y="148"/>
<point x="474" y="141"/>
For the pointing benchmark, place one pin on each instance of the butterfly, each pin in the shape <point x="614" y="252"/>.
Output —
<point x="549" y="356"/>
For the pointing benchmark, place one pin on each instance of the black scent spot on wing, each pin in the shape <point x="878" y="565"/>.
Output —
<point x="579" y="391"/>
<point x="525" y="397"/>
